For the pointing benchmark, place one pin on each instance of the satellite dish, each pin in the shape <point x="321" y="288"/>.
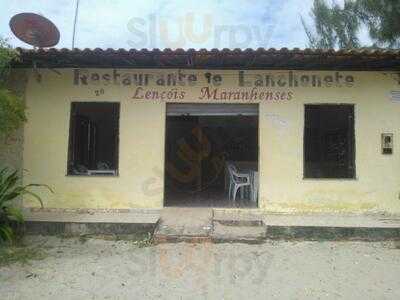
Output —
<point x="35" y="30"/>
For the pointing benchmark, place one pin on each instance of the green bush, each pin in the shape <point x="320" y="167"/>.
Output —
<point x="12" y="108"/>
<point x="12" y="112"/>
<point x="10" y="190"/>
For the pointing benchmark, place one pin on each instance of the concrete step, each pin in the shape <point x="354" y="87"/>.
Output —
<point x="184" y="225"/>
<point x="331" y="233"/>
<point x="225" y="232"/>
<point x="135" y="216"/>
<point x="238" y="217"/>
<point x="204" y="225"/>
<point x="77" y="222"/>
<point x="373" y="227"/>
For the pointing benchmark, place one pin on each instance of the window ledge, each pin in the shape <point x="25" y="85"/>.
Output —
<point x="330" y="179"/>
<point x="93" y="175"/>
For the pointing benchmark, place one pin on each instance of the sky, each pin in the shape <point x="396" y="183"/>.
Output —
<point x="169" y="24"/>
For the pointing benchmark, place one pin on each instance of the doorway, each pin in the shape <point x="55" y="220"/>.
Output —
<point x="202" y="140"/>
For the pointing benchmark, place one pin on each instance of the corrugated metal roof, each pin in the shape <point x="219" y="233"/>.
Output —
<point x="261" y="58"/>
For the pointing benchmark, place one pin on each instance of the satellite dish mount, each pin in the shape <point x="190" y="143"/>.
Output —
<point x="35" y="30"/>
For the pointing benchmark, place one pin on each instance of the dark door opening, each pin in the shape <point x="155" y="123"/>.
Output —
<point x="201" y="140"/>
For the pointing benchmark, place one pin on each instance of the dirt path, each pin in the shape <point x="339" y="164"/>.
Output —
<point x="98" y="269"/>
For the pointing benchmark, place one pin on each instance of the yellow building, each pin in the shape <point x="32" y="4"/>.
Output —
<point x="306" y="131"/>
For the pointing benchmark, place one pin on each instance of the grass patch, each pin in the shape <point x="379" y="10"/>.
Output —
<point x="143" y="240"/>
<point x="20" y="254"/>
<point x="140" y="239"/>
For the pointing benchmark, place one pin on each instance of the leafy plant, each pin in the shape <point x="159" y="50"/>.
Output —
<point x="10" y="190"/>
<point x="12" y="112"/>
<point x="7" y="55"/>
<point x="12" y="108"/>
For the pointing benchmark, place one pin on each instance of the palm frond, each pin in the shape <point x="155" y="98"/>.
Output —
<point x="40" y="185"/>
<point x="11" y="189"/>
<point x="34" y="196"/>
<point x="6" y="233"/>
<point x="15" y="214"/>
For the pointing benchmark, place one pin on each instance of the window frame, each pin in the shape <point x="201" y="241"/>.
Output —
<point x="70" y="138"/>
<point x="353" y="152"/>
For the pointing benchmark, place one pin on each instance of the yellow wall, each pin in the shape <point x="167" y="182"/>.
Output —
<point x="141" y="157"/>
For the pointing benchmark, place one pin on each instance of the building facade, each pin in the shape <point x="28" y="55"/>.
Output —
<point x="326" y="139"/>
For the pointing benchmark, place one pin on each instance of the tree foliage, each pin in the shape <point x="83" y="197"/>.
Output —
<point x="334" y="26"/>
<point x="382" y="18"/>
<point x="339" y="27"/>
<point x="12" y="108"/>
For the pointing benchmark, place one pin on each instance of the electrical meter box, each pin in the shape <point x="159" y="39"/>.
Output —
<point x="387" y="143"/>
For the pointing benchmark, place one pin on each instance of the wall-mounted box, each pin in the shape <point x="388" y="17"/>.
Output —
<point x="395" y="96"/>
<point x="387" y="143"/>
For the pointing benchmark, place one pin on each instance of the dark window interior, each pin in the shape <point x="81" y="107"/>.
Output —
<point x="329" y="141"/>
<point x="93" y="140"/>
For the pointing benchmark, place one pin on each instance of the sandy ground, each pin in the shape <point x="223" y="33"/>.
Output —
<point x="99" y="269"/>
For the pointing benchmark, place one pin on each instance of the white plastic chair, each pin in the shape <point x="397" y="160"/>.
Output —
<point x="237" y="181"/>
